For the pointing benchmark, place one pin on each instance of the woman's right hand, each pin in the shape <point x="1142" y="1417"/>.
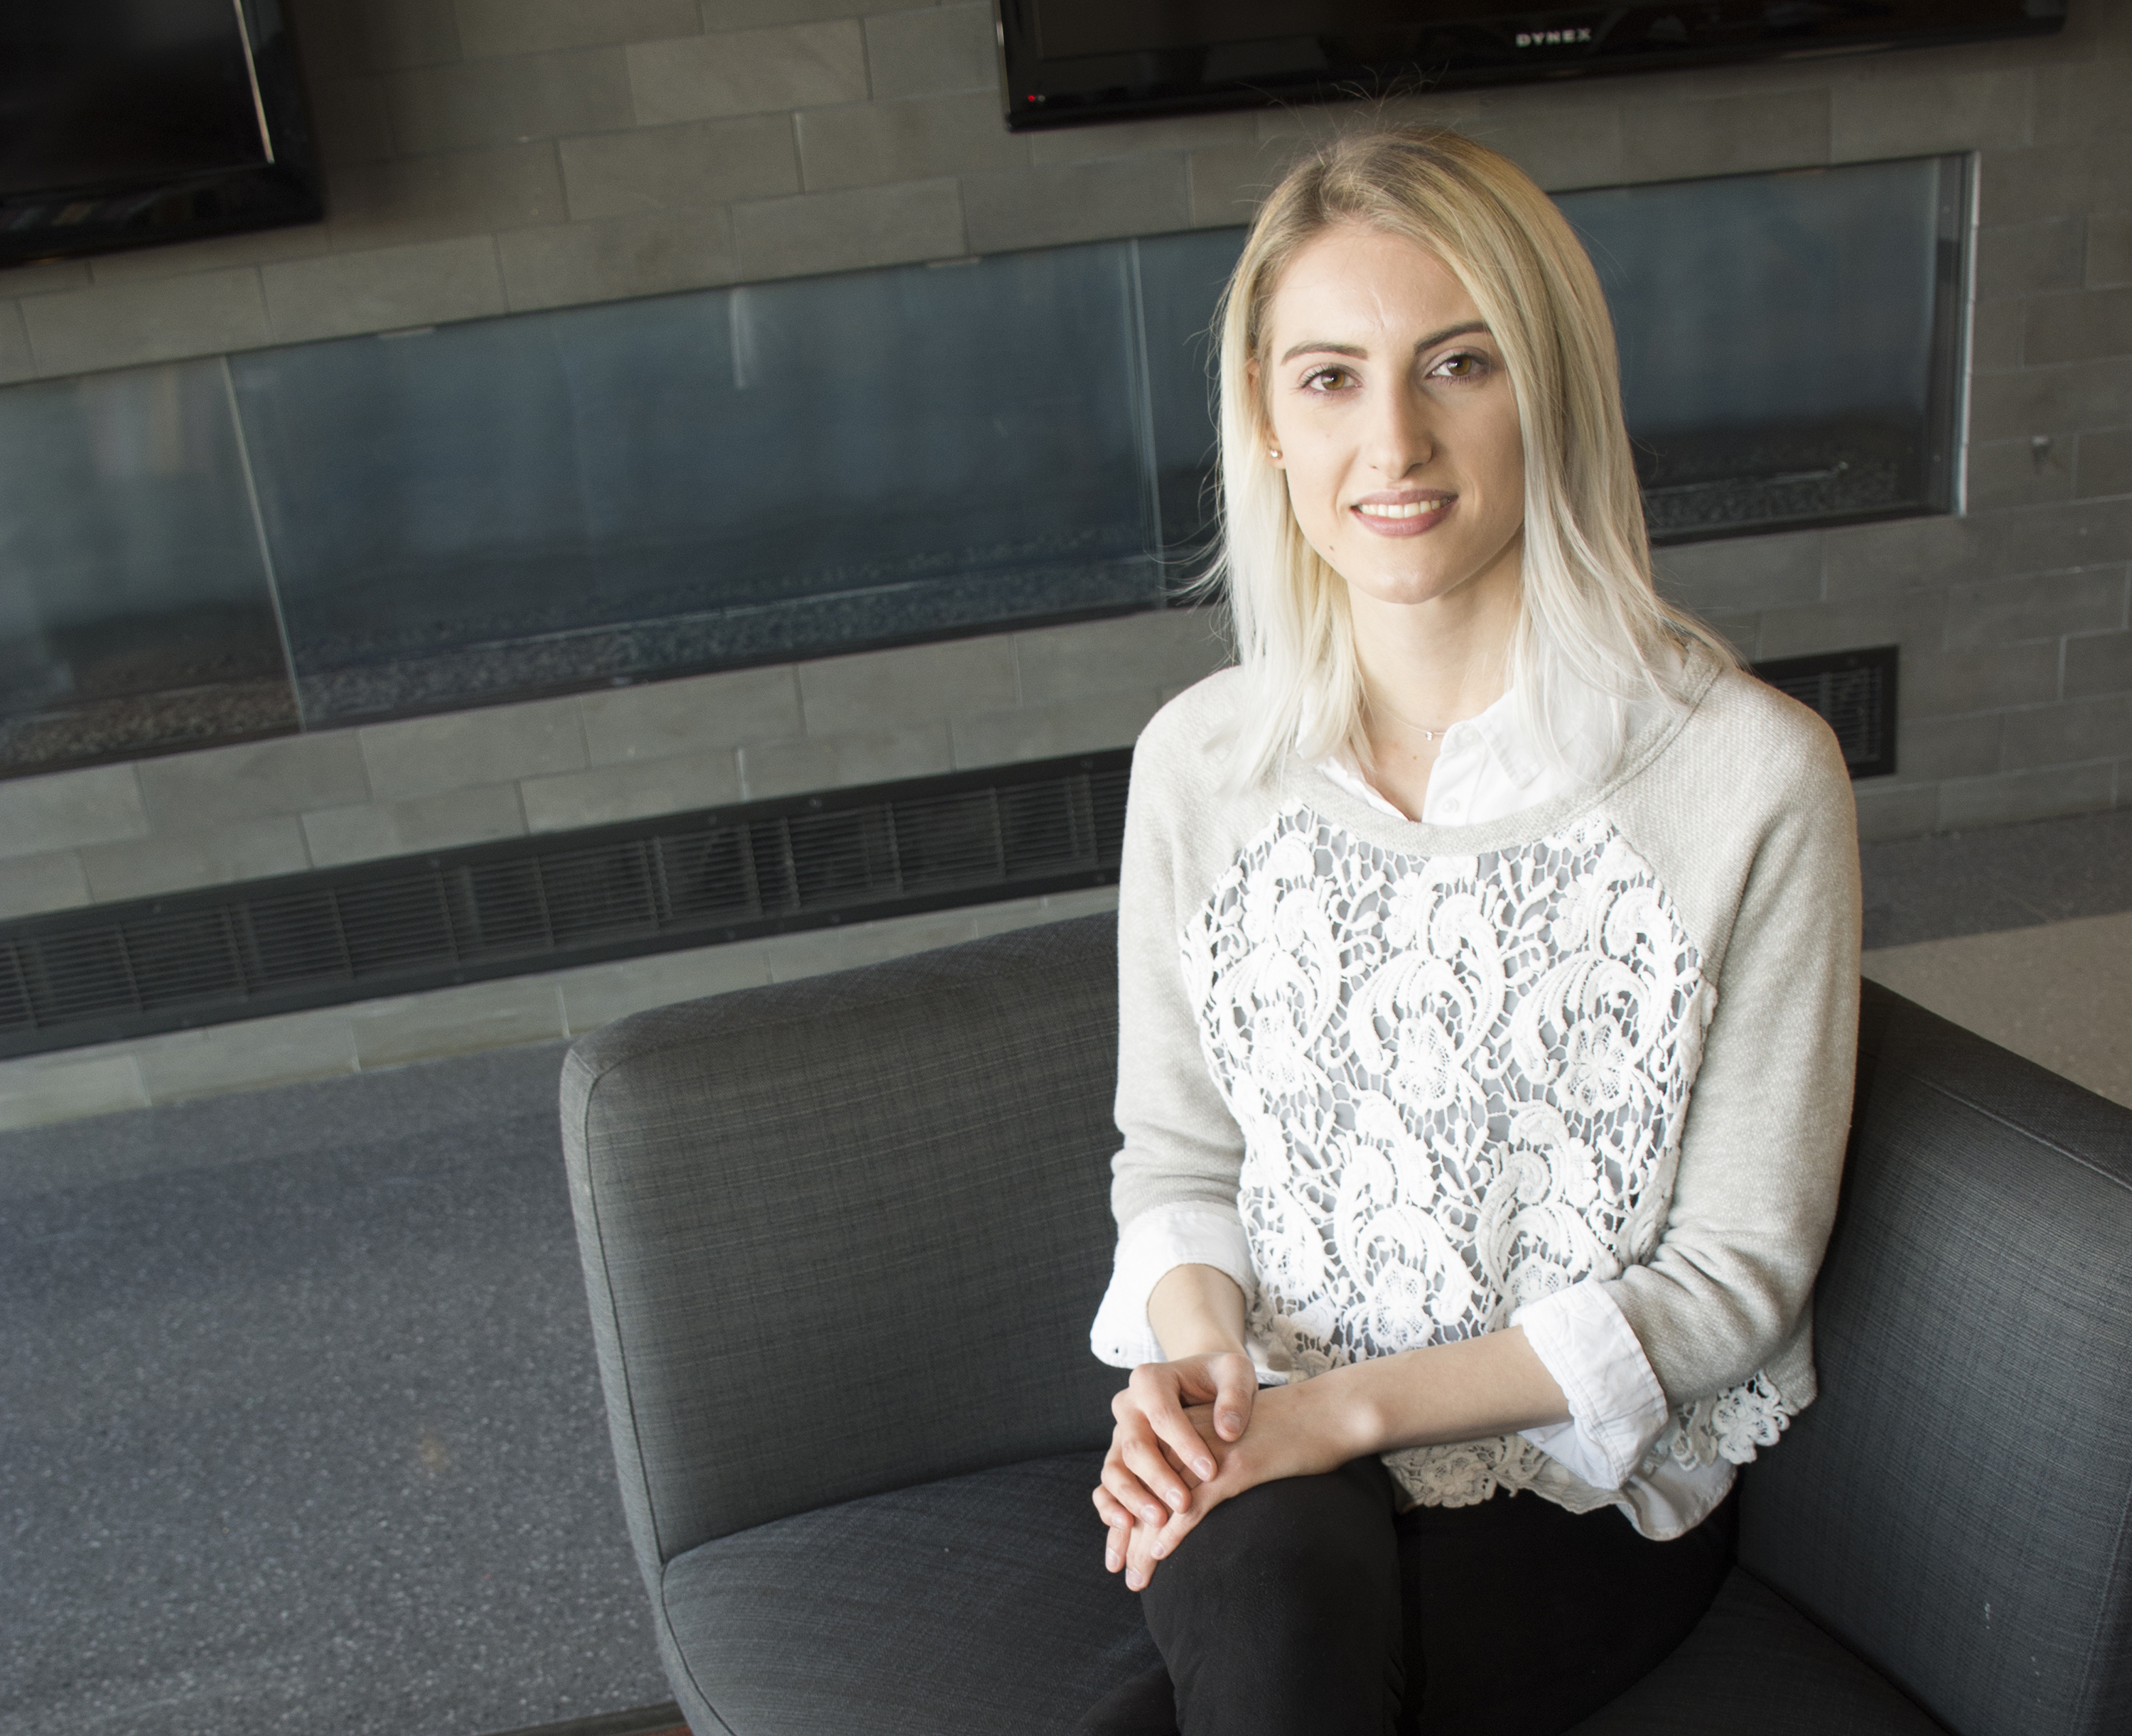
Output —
<point x="1156" y="1456"/>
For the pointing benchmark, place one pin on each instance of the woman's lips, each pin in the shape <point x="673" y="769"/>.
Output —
<point x="1414" y="517"/>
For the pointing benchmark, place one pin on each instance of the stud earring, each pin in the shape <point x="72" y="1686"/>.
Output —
<point x="1273" y="452"/>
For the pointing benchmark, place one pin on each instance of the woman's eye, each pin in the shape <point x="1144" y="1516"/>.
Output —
<point x="1327" y="379"/>
<point x="1463" y="366"/>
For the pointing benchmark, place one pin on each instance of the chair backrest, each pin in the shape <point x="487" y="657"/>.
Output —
<point x="846" y="1234"/>
<point x="1957" y="1504"/>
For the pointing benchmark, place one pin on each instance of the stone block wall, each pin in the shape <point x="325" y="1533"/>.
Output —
<point x="219" y="815"/>
<point x="488" y="156"/>
<point x="483" y="157"/>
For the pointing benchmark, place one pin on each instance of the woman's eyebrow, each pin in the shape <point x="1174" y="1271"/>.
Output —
<point x="1320" y="346"/>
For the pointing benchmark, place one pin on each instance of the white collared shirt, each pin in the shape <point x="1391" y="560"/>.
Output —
<point x="1488" y="767"/>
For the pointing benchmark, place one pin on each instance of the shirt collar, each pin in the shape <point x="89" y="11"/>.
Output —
<point x="1502" y="732"/>
<point x="1497" y="735"/>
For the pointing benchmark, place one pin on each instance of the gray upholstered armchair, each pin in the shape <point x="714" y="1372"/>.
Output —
<point x="843" y="1240"/>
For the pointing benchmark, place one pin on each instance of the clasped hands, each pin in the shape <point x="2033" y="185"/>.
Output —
<point x="1190" y="1434"/>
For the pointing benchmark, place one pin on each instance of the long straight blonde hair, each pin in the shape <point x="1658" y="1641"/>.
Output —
<point x="1591" y="624"/>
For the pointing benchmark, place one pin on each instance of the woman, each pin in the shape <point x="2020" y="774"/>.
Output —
<point x="1434" y="913"/>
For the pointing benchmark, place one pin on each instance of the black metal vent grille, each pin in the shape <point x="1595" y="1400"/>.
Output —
<point x="1855" y="693"/>
<point x="414" y="923"/>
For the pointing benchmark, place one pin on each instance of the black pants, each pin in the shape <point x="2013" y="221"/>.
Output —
<point x="1310" y="1608"/>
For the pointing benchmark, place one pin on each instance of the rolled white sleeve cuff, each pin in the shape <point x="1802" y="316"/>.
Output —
<point x="1616" y="1406"/>
<point x="1153" y="1244"/>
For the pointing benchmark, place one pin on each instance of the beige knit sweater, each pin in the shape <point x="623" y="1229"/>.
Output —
<point x="1599" y="1052"/>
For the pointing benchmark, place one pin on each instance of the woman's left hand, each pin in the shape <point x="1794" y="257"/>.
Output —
<point x="1290" y="1435"/>
<point x="1466" y="1390"/>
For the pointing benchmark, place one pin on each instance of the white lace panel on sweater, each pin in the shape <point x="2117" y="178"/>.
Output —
<point x="1460" y="1081"/>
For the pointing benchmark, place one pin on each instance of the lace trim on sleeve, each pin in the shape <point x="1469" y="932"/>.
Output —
<point x="1729" y="1426"/>
<point x="1732" y="1425"/>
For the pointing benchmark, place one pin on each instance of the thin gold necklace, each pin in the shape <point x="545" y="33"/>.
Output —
<point x="1426" y="733"/>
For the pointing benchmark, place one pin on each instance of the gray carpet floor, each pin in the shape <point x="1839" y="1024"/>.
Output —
<point x="2010" y="877"/>
<point x="299" y="1429"/>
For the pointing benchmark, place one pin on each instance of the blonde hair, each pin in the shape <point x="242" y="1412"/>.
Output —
<point x="1589" y="617"/>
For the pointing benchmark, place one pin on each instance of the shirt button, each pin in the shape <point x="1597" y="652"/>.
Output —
<point x="1450" y="808"/>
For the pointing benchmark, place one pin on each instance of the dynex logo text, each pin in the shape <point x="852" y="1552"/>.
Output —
<point x="1548" y="38"/>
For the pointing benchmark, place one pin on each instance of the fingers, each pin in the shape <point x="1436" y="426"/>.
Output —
<point x="1137" y="1547"/>
<point x="1142" y="1477"/>
<point x="1140" y="1557"/>
<point x="1117" y="1529"/>
<point x="1182" y="1443"/>
<point x="1236" y="1385"/>
<point x="1156" y="1393"/>
<point x="1140" y="1506"/>
<point x="1147" y="1545"/>
<point x="1129" y="1492"/>
<point x="1127" y="1547"/>
<point x="1152" y="1459"/>
<point x="1159" y="1476"/>
<point x="1179" y="1526"/>
<point x="1161" y="1452"/>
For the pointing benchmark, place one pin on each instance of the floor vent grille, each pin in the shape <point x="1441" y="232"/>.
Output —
<point x="72" y="978"/>
<point x="413" y="922"/>
<point x="1855" y="693"/>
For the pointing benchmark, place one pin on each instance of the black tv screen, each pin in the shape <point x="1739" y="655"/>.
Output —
<point x="128" y="121"/>
<point x="1064" y="61"/>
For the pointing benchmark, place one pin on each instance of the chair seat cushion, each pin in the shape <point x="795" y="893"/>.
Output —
<point x="1756" y="1666"/>
<point x="979" y="1604"/>
<point x="967" y="1607"/>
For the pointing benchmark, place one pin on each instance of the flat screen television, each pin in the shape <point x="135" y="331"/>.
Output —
<point x="1066" y="61"/>
<point x="124" y="122"/>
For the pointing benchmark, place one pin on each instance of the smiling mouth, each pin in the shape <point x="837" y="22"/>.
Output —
<point x="1400" y="509"/>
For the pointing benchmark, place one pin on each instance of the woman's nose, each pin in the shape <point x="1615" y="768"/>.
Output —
<point x="1402" y="438"/>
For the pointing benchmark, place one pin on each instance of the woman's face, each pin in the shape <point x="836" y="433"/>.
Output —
<point x="1395" y="420"/>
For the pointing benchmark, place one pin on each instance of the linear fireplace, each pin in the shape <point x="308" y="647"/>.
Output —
<point x="373" y="527"/>
<point x="1791" y="344"/>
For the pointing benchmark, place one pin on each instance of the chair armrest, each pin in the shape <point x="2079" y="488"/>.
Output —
<point x="1956" y="1506"/>
<point x="846" y="1235"/>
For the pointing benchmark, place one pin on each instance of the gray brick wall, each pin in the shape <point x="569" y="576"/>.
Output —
<point x="488" y="155"/>
<point x="223" y="814"/>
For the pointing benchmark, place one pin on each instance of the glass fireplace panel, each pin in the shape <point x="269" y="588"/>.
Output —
<point x="1181" y="278"/>
<point x="724" y="478"/>
<point x="135" y="612"/>
<point x="1789" y="342"/>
